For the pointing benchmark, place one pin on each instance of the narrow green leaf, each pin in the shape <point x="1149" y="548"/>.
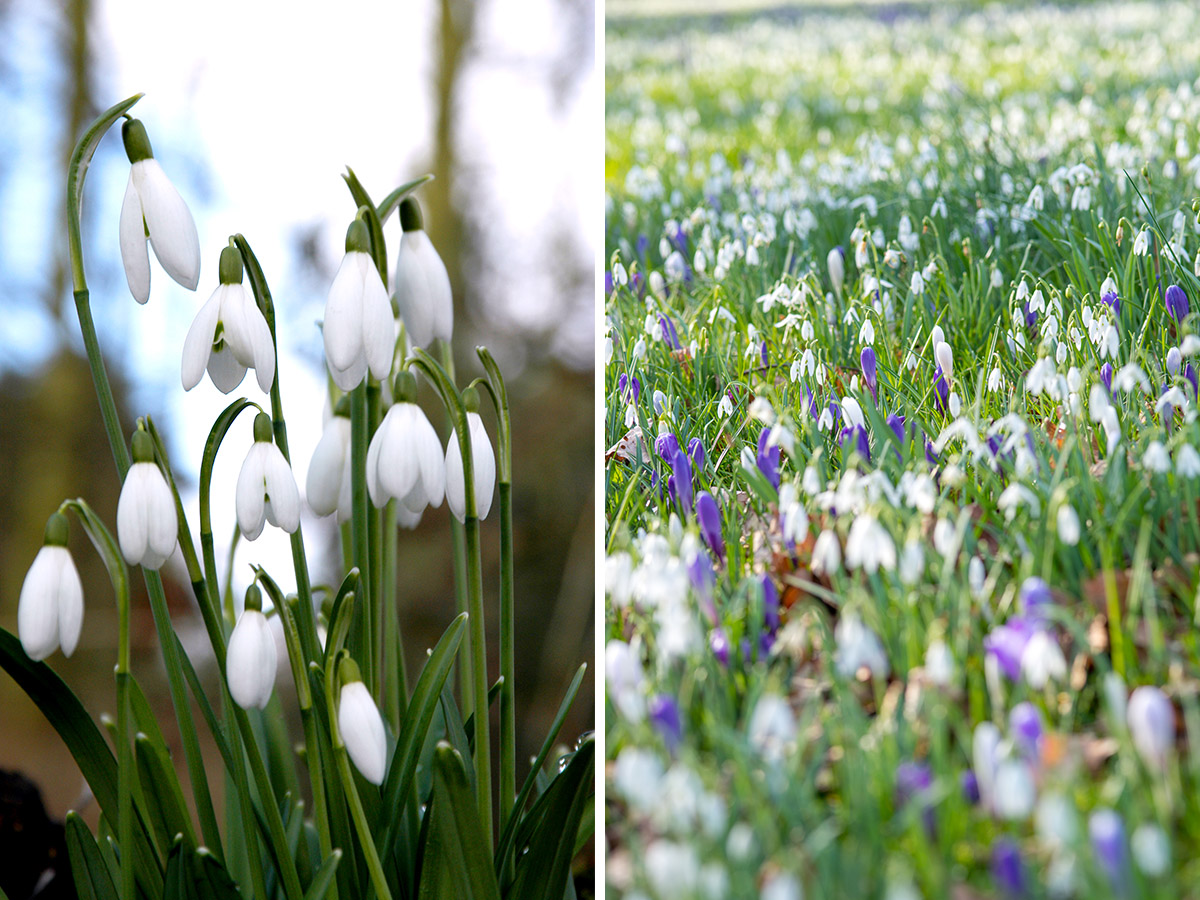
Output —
<point x="319" y="886"/>
<point x="456" y="862"/>
<point x="469" y="725"/>
<point x="391" y="202"/>
<point x="211" y="880"/>
<point x="542" y="871"/>
<point x="178" y="884"/>
<point x="164" y="805"/>
<point x="92" y="878"/>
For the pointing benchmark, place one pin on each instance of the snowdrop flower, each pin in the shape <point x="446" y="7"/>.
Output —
<point x="360" y="725"/>
<point x="1014" y="791"/>
<point x="852" y="413"/>
<point x="858" y="646"/>
<point x="869" y="546"/>
<point x="626" y="683"/>
<point x="50" y="609"/>
<point x="328" y="485"/>
<point x="229" y="335"/>
<point x="1042" y="660"/>
<point x="422" y="284"/>
<point x="484" y="469"/>
<point x="772" y="727"/>
<point x="1187" y="461"/>
<point x="251" y="656"/>
<point x="1067" y="523"/>
<point x="917" y="284"/>
<point x="945" y="358"/>
<point x="153" y="211"/>
<point x="1141" y="243"/>
<point x="404" y="460"/>
<point x="827" y="553"/>
<point x="1156" y="459"/>
<point x="146" y="525"/>
<point x="912" y="562"/>
<point x="1151" y="719"/>
<point x="266" y="487"/>
<point x="1151" y="849"/>
<point x="360" y="333"/>
<point x="939" y="664"/>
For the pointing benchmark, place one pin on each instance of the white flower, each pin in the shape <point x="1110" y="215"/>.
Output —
<point x="328" y="486"/>
<point x="1068" y="525"/>
<point x="912" y="562"/>
<point x="422" y="285"/>
<point x="1014" y="791"/>
<point x="484" y="466"/>
<point x="1042" y="661"/>
<point x="146" y="525"/>
<point x="869" y="546"/>
<point x="1187" y="461"/>
<point x="858" y="646"/>
<point x="266" y="487"/>
<point x="1155" y="459"/>
<point x="939" y="664"/>
<point x="362" y="731"/>
<point x="626" y="683"/>
<point x="827" y="554"/>
<point x="229" y="335"/>
<point x="836" y="263"/>
<point x="250" y="660"/>
<point x="405" y="460"/>
<point x="153" y="210"/>
<point x="1141" y="243"/>
<point x="1151" y="849"/>
<point x="1151" y="719"/>
<point x="772" y="727"/>
<point x="360" y="333"/>
<point x="50" y="609"/>
<point x="945" y="358"/>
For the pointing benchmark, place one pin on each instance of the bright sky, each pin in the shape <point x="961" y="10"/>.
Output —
<point x="254" y="109"/>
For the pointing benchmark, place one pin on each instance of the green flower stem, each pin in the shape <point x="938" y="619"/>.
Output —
<point x="474" y="585"/>
<point x="508" y="716"/>
<point x="76" y="173"/>
<point x="395" y="688"/>
<point x="374" y="617"/>
<point x="359" y="641"/>
<point x="245" y="801"/>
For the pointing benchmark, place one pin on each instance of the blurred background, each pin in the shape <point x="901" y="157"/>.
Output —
<point x="254" y="115"/>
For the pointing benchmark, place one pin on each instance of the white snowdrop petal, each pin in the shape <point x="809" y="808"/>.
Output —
<point x="234" y="317"/>
<point x="281" y="490"/>
<point x="197" y="346"/>
<point x="169" y="222"/>
<point x="37" y="607"/>
<point x="362" y="731"/>
<point x="70" y="603"/>
<point x="224" y="369"/>
<point x="343" y="326"/>
<point x="484" y="466"/>
<point x="455" y="488"/>
<point x="249" y="497"/>
<point x="398" y="468"/>
<point x="379" y="328"/>
<point x="431" y="461"/>
<point x="162" y="525"/>
<point x="250" y="661"/>
<point x="262" y="347"/>
<point x="135" y="255"/>
<point x="132" y="527"/>
<point x="324" y="480"/>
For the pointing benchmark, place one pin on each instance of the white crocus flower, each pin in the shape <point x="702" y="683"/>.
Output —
<point x="405" y="459"/>
<point x="251" y="657"/>
<point x="360" y="333"/>
<point x="153" y="211"/>
<point x="266" y="487"/>
<point x="147" y="528"/>
<point x="484" y="465"/>
<point x="422" y="284"/>
<point x="328" y="486"/>
<point x="229" y="335"/>
<point x="50" y="609"/>
<point x="361" y="726"/>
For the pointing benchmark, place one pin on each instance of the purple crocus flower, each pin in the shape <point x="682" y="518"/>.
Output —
<point x="896" y="423"/>
<point x="768" y="459"/>
<point x="770" y="604"/>
<point x="608" y="282"/>
<point x="670" y="335"/>
<point x="640" y="246"/>
<point x="1106" y="374"/>
<point x="664" y="715"/>
<point x="1177" y="303"/>
<point x="1008" y="872"/>
<point x="1107" y="834"/>
<point x="766" y="641"/>
<point x="718" y="645"/>
<point x="1025" y="728"/>
<point x="1007" y="643"/>
<point x="812" y="403"/>
<point x="766" y="360"/>
<point x="681" y="480"/>
<point x="931" y="456"/>
<point x="629" y="389"/>
<point x="1034" y="599"/>
<point x="1113" y="302"/>
<point x="637" y="285"/>
<point x="666" y="445"/>
<point x="704" y="580"/>
<point x="867" y="361"/>
<point x="708" y="515"/>
<point x="680" y="241"/>
<point x="1030" y="315"/>
<point x="913" y="780"/>
<point x="857" y="437"/>
<point x="1190" y="374"/>
<point x="970" y="786"/>
<point x="696" y="452"/>
<point x="941" y="390"/>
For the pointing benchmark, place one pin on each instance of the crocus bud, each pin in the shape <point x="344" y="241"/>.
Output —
<point x="867" y="360"/>
<point x="266" y="487"/>
<point x="50" y="609"/>
<point x="680" y="484"/>
<point x="696" y="452"/>
<point x="146" y="524"/>
<point x="1151" y="720"/>
<point x="1107" y="834"/>
<point x="1174" y="359"/>
<point x="1008" y="872"/>
<point x="251" y="656"/>
<point x="767" y="458"/>
<point x="945" y="358"/>
<point x="422" y="283"/>
<point x="360" y="725"/>
<point x="1106" y="375"/>
<point x="1026" y="728"/>
<point x="708" y="517"/>
<point x="1034" y="598"/>
<point x="153" y="211"/>
<point x="664" y="715"/>
<point x="1177" y="303"/>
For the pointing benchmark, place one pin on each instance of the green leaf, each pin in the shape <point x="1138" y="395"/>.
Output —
<point x="398" y="784"/>
<point x="456" y="863"/>
<point x="81" y="158"/>
<point x="211" y="880"/>
<point x="469" y="725"/>
<point x="178" y="883"/>
<point x="502" y="853"/>
<point x="391" y="202"/>
<point x="319" y="886"/>
<point x="542" y="871"/>
<point x="163" y="800"/>
<point x="374" y="224"/>
<point x="92" y="878"/>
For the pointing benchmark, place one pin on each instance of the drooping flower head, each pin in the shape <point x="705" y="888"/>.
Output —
<point x="147" y="528"/>
<point x="359" y="330"/>
<point x="153" y="211"/>
<point x="328" y="486"/>
<point x="483" y="465"/>
<point x="422" y="284"/>
<point x="50" y="608"/>
<point x="251" y="656"/>
<point x="835" y="262"/>
<point x="405" y="460"/>
<point x="229" y="335"/>
<point x="266" y="487"/>
<point x="360" y="724"/>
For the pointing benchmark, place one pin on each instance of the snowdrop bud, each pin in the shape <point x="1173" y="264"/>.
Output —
<point x="229" y="335"/>
<point x="945" y="358"/>
<point x="251" y="656"/>
<point x="359" y="331"/>
<point x="483" y="463"/>
<point x="1151" y="719"/>
<point x="328" y="485"/>
<point x="50" y="608"/>
<point x="422" y="284"/>
<point x="1068" y="525"/>
<point x="836" y="263"/>
<point x="360" y="725"/>
<point x="954" y="404"/>
<point x="266" y="487"/>
<point x="146" y="524"/>
<point x="153" y="211"/>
